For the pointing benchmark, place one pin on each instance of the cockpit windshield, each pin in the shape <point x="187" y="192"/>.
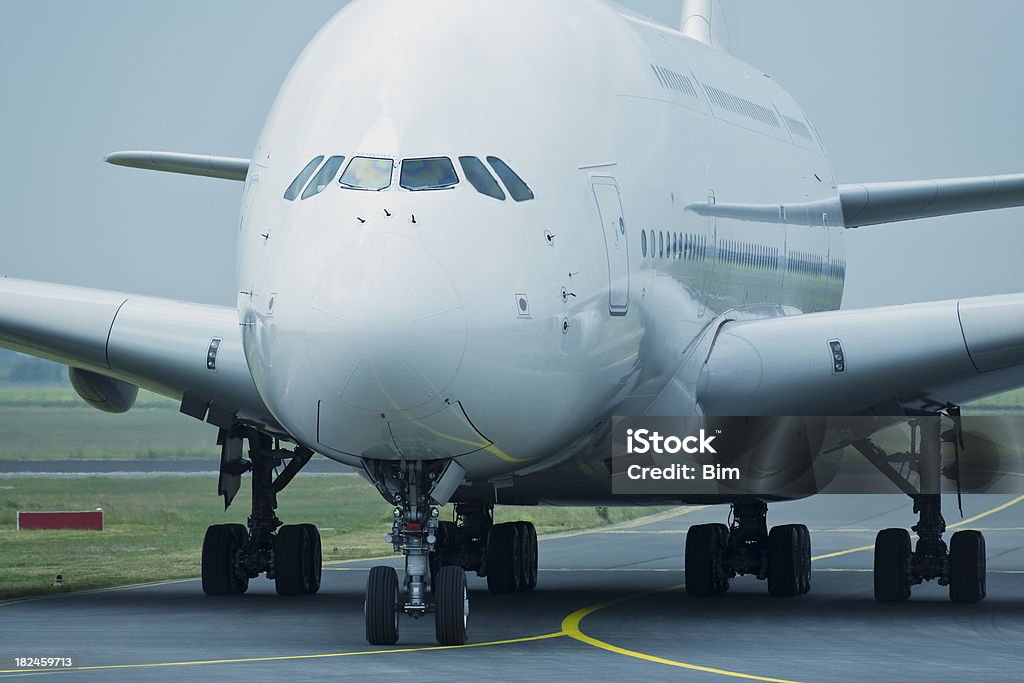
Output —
<point x="368" y="173"/>
<point x="418" y="174"/>
<point x="324" y="178"/>
<point x="437" y="173"/>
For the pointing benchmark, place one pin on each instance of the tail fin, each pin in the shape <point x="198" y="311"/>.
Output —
<point x="704" y="21"/>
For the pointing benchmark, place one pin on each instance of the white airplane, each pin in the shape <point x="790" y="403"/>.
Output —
<point x="471" y="234"/>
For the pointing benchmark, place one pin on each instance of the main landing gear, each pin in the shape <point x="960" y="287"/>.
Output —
<point x="716" y="553"/>
<point x="438" y="554"/>
<point x="961" y="566"/>
<point x="232" y="553"/>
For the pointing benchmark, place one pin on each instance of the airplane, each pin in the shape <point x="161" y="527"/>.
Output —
<point x="471" y="235"/>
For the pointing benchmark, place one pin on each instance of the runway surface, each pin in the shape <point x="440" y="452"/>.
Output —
<point x="609" y="607"/>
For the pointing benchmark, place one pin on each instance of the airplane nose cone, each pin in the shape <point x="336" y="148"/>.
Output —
<point x="387" y="329"/>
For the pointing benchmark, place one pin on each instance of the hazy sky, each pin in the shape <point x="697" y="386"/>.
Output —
<point x="898" y="90"/>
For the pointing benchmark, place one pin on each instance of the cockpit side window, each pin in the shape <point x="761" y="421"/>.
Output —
<point x="519" y="190"/>
<point x="324" y="178"/>
<point x="480" y="178"/>
<point x="300" y="180"/>
<point x="368" y="173"/>
<point x="437" y="173"/>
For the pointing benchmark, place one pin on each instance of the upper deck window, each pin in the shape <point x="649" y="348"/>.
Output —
<point x="437" y="173"/>
<point x="300" y="180"/>
<point x="519" y="190"/>
<point x="480" y="178"/>
<point x="368" y="173"/>
<point x="324" y="178"/>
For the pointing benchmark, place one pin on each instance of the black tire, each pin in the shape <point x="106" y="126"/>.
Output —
<point x="451" y="613"/>
<point x="503" y="558"/>
<point x="967" y="582"/>
<point x="315" y="561"/>
<point x="292" y="559"/>
<point x="381" y="606"/>
<point x="784" y="561"/>
<point x="804" y="577"/>
<point x="447" y="539"/>
<point x="527" y="540"/>
<point x="722" y="584"/>
<point x="242" y="539"/>
<point x="221" y="574"/>
<point x="892" y="565"/>
<point x="702" y="559"/>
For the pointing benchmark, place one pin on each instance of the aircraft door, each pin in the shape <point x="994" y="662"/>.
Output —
<point x="616" y="242"/>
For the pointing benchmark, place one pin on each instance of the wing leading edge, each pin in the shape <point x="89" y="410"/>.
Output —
<point x="875" y="203"/>
<point x="156" y="344"/>
<point x="894" y="359"/>
<point x="227" y="168"/>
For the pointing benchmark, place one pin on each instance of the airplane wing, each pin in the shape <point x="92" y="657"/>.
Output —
<point x="874" y="203"/>
<point x="172" y="348"/>
<point x="886" y="361"/>
<point x="228" y="168"/>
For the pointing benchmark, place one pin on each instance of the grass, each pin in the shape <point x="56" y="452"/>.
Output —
<point x="53" y="423"/>
<point x="154" y="527"/>
<point x="1009" y="402"/>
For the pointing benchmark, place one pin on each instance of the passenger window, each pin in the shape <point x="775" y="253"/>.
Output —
<point x="519" y="190"/>
<point x="324" y="178"/>
<point x="428" y="174"/>
<point x="300" y="180"/>
<point x="480" y="178"/>
<point x="368" y="173"/>
<point x="643" y="242"/>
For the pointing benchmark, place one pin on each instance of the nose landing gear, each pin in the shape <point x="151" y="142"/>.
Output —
<point x="414" y="488"/>
<point x="438" y="554"/>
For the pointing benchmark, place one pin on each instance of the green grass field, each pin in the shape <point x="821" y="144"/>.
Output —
<point x="154" y="527"/>
<point x="53" y="423"/>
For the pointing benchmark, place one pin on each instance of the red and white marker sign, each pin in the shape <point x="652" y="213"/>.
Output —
<point x="89" y="521"/>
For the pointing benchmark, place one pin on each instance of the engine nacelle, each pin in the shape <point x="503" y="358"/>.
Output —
<point x="103" y="393"/>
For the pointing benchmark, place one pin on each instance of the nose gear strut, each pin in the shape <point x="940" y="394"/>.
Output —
<point x="415" y="488"/>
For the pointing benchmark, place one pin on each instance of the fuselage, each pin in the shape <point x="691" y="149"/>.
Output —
<point x="417" y="322"/>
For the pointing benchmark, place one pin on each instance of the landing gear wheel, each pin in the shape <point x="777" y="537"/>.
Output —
<point x="785" y="561"/>
<point x="722" y="584"/>
<point x="451" y="612"/>
<point x="381" y="606"/>
<point x="705" y="544"/>
<point x="804" y="576"/>
<point x="446" y="537"/>
<point x="528" y="556"/>
<point x="503" y="558"/>
<point x="967" y="567"/>
<point x="315" y="568"/>
<point x="892" y="565"/>
<point x="221" y="572"/>
<point x="293" y="560"/>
